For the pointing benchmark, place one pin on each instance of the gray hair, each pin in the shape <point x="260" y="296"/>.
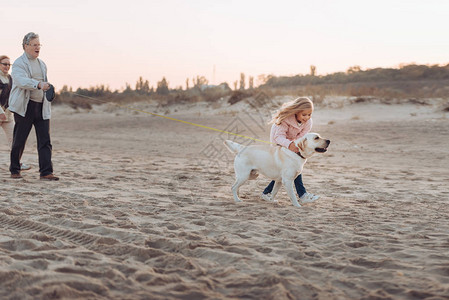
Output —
<point x="28" y="37"/>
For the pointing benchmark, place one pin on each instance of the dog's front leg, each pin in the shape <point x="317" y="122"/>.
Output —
<point x="288" y="183"/>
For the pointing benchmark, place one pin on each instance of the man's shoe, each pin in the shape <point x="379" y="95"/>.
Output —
<point x="50" y="177"/>
<point x="16" y="176"/>
<point x="24" y="167"/>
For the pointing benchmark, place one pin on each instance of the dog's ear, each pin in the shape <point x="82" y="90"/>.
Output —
<point x="302" y="145"/>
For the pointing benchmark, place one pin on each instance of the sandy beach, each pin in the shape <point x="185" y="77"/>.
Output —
<point x="144" y="208"/>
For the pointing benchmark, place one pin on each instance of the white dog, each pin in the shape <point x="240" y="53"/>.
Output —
<point x="277" y="163"/>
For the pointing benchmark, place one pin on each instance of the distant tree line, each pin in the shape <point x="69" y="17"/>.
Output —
<point x="407" y="80"/>
<point x="355" y="75"/>
<point x="199" y="91"/>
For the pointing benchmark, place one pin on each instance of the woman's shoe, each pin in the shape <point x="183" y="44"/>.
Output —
<point x="24" y="167"/>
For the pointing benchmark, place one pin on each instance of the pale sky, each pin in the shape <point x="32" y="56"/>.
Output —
<point x="92" y="42"/>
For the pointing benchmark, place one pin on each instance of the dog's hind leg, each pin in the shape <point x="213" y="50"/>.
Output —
<point x="290" y="191"/>
<point x="239" y="181"/>
<point x="277" y="185"/>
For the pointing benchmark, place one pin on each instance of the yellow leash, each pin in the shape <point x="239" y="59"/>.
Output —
<point x="177" y="120"/>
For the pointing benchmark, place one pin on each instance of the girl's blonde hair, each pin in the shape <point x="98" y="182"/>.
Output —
<point x="2" y="57"/>
<point x="290" y="108"/>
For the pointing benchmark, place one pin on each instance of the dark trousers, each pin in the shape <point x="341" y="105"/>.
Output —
<point x="22" y="128"/>
<point x="300" y="189"/>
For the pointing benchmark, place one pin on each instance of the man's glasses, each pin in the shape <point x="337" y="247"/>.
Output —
<point x="35" y="45"/>
<point x="6" y="65"/>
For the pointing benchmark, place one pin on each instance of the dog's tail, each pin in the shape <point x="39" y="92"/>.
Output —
<point x="233" y="146"/>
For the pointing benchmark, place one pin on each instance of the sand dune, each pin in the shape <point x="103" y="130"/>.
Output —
<point x="143" y="209"/>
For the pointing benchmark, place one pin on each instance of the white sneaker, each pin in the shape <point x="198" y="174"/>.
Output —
<point x="308" y="197"/>
<point x="24" y="167"/>
<point x="266" y="197"/>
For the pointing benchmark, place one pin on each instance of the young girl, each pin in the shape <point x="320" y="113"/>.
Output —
<point x="292" y="121"/>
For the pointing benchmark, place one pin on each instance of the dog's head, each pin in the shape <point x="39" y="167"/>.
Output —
<point x="311" y="143"/>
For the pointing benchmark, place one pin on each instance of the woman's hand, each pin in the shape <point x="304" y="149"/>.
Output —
<point x="2" y="117"/>
<point x="292" y="147"/>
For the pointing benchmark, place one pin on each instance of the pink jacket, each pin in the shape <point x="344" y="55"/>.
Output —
<point x="288" y="131"/>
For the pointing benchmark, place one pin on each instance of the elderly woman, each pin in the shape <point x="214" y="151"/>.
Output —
<point x="6" y="117"/>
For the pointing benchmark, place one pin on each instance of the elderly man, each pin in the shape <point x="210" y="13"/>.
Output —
<point x="30" y="107"/>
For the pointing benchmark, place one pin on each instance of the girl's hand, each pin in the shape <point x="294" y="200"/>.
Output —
<point x="293" y="148"/>
<point x="2" y="117"/>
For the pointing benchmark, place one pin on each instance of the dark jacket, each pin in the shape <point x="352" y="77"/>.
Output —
<point x="6" y="88"/>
